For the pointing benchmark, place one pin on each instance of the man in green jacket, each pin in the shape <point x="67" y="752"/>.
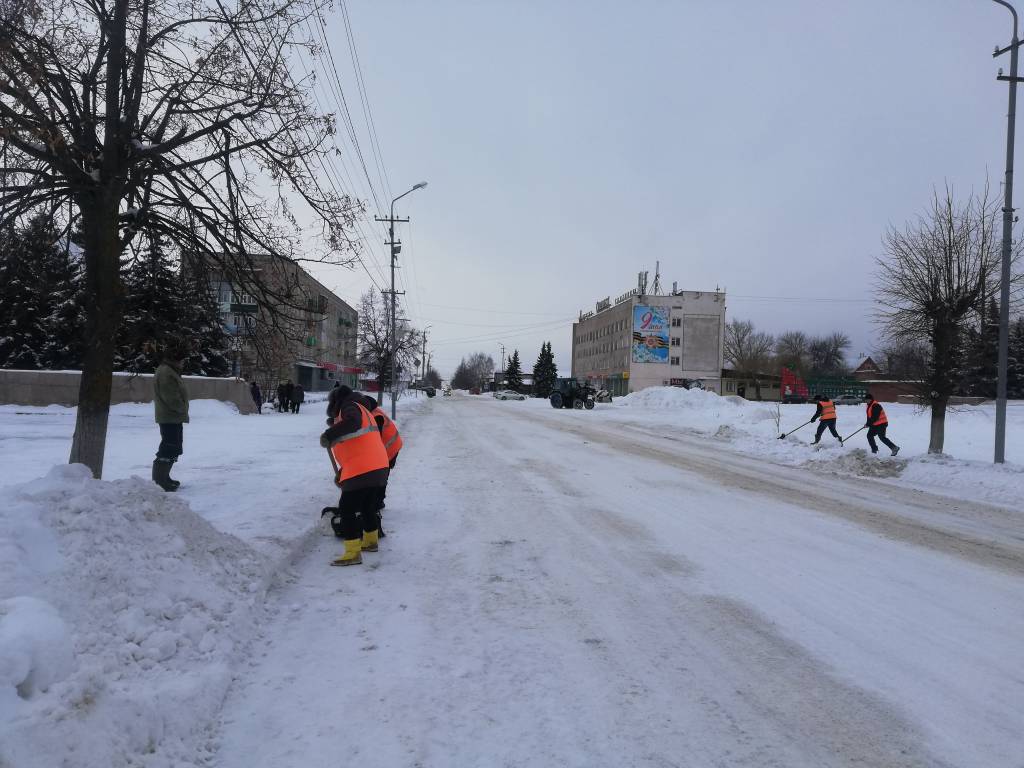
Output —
<point x="170" y="400"/>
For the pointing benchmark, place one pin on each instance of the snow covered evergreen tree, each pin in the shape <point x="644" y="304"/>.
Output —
<point x="201" y="322"/>
<point x="65" y="320"/>
<point x="39" y="305"/>
<point x="162" y="303"/>
<point x="1015" y="362"/>
<point x="514" y="372"/>
<point x="545" y="372"/>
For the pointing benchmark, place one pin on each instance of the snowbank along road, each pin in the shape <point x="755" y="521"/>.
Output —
<point x="560" y="590"/>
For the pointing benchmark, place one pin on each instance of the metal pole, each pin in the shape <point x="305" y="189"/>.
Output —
<point x="1004" y="288"/>
<point x="394" y="329"/>
<point x="423" y="376"/>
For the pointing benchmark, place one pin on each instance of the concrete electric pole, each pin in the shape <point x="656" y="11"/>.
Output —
<point x="396" y="248"/>
<point x="1004" y="288"/>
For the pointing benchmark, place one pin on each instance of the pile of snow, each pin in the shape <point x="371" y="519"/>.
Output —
<point x="121" y="615"/>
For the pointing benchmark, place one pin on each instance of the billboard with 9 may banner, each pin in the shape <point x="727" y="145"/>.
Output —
<point x="650" y="334"/>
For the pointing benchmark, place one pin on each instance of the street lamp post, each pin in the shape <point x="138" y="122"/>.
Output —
<point x="394" y="257"/>
<point x="1004" y="288"/>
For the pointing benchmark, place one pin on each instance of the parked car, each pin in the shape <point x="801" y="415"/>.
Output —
<point x="508" y="394"/>
<point x="849" y="399"/>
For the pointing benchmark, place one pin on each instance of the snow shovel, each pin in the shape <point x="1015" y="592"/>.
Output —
<point x="843" y="440"/>
<point x="783" y="435"/>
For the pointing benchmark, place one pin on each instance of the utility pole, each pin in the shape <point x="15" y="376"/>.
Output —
<point x="501" y="376"/>
<point x="1004" y="288"/>
<point x="423" y="357"/>
<point x="396" y="248"/>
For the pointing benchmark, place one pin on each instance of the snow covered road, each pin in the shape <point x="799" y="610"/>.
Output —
<point x="560" y="589"/>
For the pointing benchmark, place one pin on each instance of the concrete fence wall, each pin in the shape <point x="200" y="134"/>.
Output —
<point x="61" y="388"/>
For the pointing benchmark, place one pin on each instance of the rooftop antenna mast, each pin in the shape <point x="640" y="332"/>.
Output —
<point x="657" y="279"/>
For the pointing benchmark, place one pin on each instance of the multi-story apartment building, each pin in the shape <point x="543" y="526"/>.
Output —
<point x="312" y="340"/>
<point x="642" y="340"/>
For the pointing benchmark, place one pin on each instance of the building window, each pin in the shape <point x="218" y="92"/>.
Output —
<point x="676" y="322"/>
<point x="675" y="341"/>
<point x="674" y="361"/>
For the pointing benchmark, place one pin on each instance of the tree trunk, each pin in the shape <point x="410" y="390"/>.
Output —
<point x="103" y="316"/>
<point x="941" y="381"/>
<point x="938" y="426"/>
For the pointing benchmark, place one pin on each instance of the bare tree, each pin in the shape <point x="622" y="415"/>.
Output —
<point x="827" y="354"/>
<point x="935" y="273"/>
<point x="474" y="371"/>
<point x="179" y="117"/>
<point x="906" y="362"/>
<point x="375" y="340"/>
<point x="792" y="350"/>
<point x="748" y="351"/>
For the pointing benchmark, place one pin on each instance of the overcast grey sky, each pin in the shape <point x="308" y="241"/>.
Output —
<point x="762" y="147"/>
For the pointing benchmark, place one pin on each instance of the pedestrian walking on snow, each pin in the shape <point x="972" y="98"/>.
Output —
<point x="257" y="396"/>
<point x="826" y="411"/>
<point x="170" y="403"/>
<point x="282" y="397"/>
<point x="362" y="469"/>
<point x="877" y="423"/>
<point x="298" y="397"/>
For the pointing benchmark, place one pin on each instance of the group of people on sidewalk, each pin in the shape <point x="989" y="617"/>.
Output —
<point x="290" y="397"/>
<point x="877" y="422"/>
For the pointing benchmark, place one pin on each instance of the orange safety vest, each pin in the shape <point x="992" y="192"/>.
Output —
<point x="828" y="410"/>
<point x="882" y="419"/>
<point x="359" y="452"/>
<point x="389" y="434"/>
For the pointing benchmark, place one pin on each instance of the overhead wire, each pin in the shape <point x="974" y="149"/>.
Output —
<point x="367" y="109"/>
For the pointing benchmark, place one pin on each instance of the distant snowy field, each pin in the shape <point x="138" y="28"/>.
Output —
<point x="124" y="610"/>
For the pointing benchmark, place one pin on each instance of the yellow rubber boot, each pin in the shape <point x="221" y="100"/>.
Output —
<point x="370" y="541"/>
<point x="352" y="554"/>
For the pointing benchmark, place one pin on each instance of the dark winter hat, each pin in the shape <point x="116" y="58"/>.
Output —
<point x="869" y="396"/>
<point x="342" y="392"/>
<point x="175" y="348"/>
<point x="819" y="398"/>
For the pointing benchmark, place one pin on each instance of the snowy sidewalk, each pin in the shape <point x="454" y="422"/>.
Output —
<point x="548" y="597"/>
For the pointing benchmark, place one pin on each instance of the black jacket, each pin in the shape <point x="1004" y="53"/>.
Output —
<point x="874" y="412"/>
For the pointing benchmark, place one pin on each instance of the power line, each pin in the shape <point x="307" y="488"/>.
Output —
<point x="489" y="310"/>
<point x="367" y="110"/>
<point x="523" y="331"/>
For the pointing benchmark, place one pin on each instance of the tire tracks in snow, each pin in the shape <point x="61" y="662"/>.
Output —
<point x="727" y="688"/>
<point x="797" y="487"/>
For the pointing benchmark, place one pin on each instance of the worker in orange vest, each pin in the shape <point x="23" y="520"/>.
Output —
<point x="827" y="413"/>
<point x="355" y="445"/>
<point x="392" y="440"/>
<point x="877" y="423"/>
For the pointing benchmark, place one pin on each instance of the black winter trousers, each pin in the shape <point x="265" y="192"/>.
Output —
<point x="824" y="424"/>
<point x="358" y="512"/>
<point x="879" y="431"/>
<point x="171" y="439"/>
